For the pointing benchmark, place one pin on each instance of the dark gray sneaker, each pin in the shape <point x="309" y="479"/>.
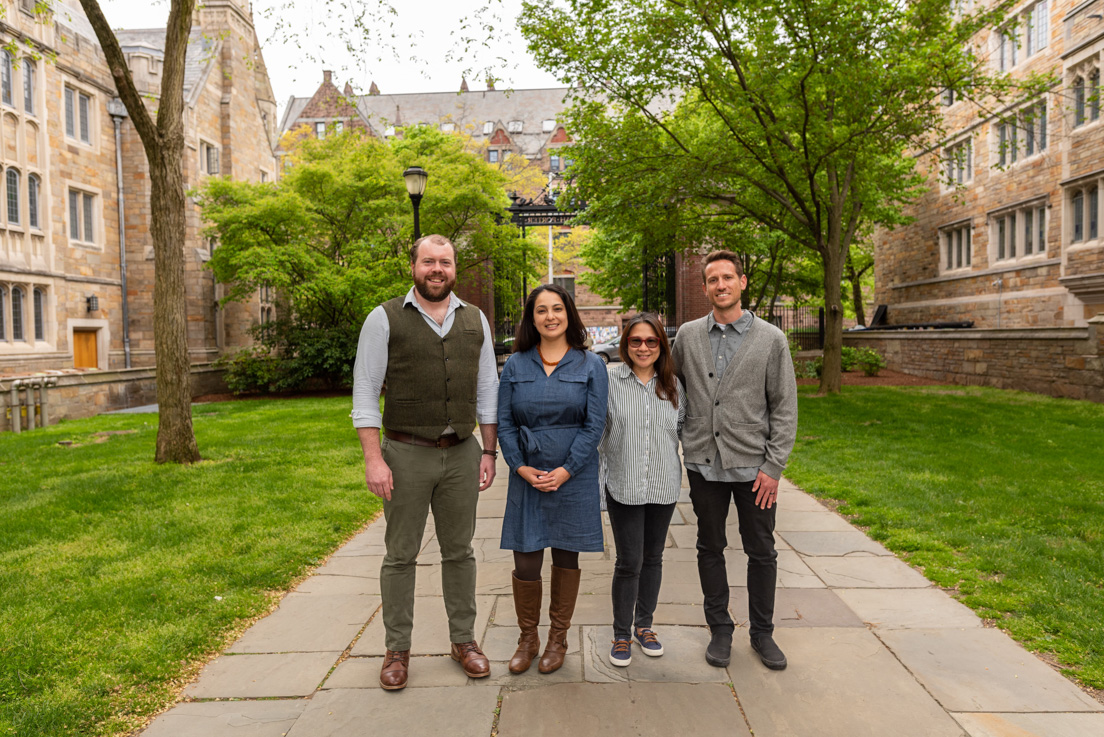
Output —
<point x="769" y="652"/>
<point x="719" y="652"/>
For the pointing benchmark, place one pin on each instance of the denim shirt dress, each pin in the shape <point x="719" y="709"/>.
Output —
<point x="549" y="421"/>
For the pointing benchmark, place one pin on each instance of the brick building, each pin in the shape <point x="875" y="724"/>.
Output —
<point x="61" y="300"/>
<point x="1009" y="234"/>
<point x="498" y="123"/>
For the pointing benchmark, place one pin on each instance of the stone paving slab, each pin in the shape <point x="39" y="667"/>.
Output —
<point x="867" y="572"/>
<point x="839" y="683"/>
<point x="431" y="631"/>
<point x="308" y="623"/>
<point x="908" y="608"/>
<point x="495" y="508"/>
<point x="368" y="542"/>
<point x="456" y="712"/>
<point x="983" y="670"/>
<point x="425" y="672"/>
<point x="323" y="585"/>
<point x="262" y="676"/>
<point x="1031" y="725"/>
<point x="810" y="521"/>
<point x="799" y="608"/>
<point x="683" y="659"/>
<point x="366" y="566"/>
<point x="615" y="709"/>
<point x="228" y="719"/>
<point x="843" y="542"/>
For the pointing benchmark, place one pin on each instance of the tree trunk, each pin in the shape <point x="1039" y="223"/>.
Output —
<point x="175" y="438"/>
<point x="855" y="280"/>
<point x="831" y="376"/>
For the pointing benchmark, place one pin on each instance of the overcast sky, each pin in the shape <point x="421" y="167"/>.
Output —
<point x="418" y="48"/>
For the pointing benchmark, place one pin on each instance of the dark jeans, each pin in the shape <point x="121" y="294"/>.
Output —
<point x="639" y="534"/>
<point x="710" y="499"/>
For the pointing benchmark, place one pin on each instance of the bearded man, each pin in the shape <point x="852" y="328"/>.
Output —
<point x="436" y="355"/>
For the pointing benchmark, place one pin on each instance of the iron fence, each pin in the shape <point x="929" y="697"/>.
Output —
<point x="802" y="325"/>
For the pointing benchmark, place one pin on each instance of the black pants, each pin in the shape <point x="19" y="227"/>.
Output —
<point x="711" y="501"/>
<point x="639" y="534"/>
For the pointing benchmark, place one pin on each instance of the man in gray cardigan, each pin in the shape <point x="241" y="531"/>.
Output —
<point x="741" y="422"/>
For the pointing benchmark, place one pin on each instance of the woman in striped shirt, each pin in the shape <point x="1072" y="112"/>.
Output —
<point x="642" y="477"/>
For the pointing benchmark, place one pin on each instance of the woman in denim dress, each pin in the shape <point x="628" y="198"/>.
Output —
<point x="551" y="414"/>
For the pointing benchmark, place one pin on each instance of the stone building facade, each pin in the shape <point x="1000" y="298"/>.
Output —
<point x="1009" y="233"/>
<point x="68" y="153"/>
<point x="499" y="123"/>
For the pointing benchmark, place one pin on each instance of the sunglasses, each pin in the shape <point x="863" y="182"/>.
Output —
<point x="650" y="342"/>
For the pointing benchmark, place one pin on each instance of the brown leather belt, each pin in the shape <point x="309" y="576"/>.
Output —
<point x="445" y="441"/>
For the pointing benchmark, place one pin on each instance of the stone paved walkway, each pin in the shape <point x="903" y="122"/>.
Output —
<point x="873" y="649"/>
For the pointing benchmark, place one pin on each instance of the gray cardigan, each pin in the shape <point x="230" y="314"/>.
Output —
<point x="749" y="415"/>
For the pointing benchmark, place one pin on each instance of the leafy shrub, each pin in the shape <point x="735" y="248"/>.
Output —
<point x="870" y="361"/>
<point x="809" y="369"/>
<point x="290" y="356"/>
<point x="848" y="358"/>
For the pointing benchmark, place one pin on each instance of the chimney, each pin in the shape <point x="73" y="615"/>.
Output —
<point x="327" y="76"/>
<point x="463" y="84"/>
<point x="373" y="90"/>
<point x="348" y="90"/>
<point x="490" y="84"/>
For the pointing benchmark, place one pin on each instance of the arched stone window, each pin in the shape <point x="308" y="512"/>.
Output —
<point x="6" y="77"/>
<point x="34" y="189"/>
<point x="17" y="313"/>
<point x="40" y="313"/>
<point x="11" y="180"/>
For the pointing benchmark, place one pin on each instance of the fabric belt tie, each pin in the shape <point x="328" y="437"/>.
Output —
<point x="445" y="441"/>
<point x="528" y="437"/>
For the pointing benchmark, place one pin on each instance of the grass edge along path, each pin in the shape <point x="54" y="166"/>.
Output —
<point x="121" y="578"/>
<point x="995" y="495"/>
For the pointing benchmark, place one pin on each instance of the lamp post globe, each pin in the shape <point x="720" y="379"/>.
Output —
<point x="415" y="177"/>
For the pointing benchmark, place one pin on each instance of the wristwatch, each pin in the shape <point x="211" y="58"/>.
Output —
<point x="491" y="453"/>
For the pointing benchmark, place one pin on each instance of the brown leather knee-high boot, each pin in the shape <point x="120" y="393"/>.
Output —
<point x="527" y="604"/>
<point x="561" y="606"/>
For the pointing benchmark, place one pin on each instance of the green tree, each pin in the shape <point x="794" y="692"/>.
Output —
<point x="332" y="239"/>
<point x="799" y="115"/>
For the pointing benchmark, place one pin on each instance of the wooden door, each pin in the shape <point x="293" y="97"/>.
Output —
<point x="84" y="349"/>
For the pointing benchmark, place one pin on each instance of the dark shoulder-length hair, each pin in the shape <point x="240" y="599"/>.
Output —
<point x="665" y="368"/>
<point x="527" y="335"/>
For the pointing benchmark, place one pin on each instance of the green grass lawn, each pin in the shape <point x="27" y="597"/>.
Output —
<point x="998" y="495"/>
<point x="118" y="576"/>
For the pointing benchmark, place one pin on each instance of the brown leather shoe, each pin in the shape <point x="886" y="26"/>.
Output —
<point x="527" y="604"/>
<point x="471" y="659"/>
<point x="561" y="607"/>
<point x="394" y="673"/>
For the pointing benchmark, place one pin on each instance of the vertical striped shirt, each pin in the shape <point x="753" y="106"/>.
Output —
<point x="639" y="448"/>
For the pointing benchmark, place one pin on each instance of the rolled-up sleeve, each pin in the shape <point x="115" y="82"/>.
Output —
<point x="486" y="388"/>
<point x="507" y="427"/>
<point x="586" y="442"/>
<point x="370" y="369"/>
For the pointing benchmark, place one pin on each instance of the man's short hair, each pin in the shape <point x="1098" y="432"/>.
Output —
<point x="434" y="240"/>
<point x="722" y="255"/>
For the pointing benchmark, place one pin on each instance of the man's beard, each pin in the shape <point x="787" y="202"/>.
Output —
<point x="430" y="293"/>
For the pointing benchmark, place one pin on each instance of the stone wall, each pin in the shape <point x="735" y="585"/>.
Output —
<point x="1060" y="361"/>
<point x="91" y="393"/>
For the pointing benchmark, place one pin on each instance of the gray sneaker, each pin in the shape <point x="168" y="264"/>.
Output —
<point x="769" y="652"/>
<point x="719" y="652"/>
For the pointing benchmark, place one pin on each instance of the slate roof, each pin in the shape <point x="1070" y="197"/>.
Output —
<point x="468" y="111"/>
<point x="202" y="53"/>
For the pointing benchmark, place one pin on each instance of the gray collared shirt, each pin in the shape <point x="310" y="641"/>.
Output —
<point x="639" y="448"/>
<point x="371" y="364"/>
<point x="725" y="340"/>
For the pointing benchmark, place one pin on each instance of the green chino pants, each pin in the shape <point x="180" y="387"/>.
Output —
<point x="445" y="480"/>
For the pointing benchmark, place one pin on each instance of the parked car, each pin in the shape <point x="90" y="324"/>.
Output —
<point x="607" y="350"/>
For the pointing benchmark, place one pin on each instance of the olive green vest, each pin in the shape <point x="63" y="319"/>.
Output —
<point x="431" y="381"/>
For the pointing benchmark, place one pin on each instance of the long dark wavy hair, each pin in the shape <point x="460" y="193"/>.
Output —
<point x="527" y="335"/>
<point x="666" y="382"/>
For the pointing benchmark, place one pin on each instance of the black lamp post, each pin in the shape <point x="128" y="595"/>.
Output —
<point x="416" y="178"/>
